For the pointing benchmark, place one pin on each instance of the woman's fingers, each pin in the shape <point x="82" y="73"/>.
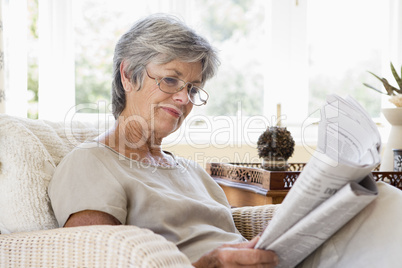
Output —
<point x="247" y="257"/>
<point x="239" y="255"/>
<point x="247" y="244"/>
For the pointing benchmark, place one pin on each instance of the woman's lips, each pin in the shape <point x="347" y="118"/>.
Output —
<point x="174" y="112"/>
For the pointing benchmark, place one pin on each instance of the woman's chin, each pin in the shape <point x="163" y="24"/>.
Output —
<point x="166" y="130"/>
<point x="169" y="125"/>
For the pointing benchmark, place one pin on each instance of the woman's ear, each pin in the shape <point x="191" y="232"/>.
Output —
<point x="125" y="78"/>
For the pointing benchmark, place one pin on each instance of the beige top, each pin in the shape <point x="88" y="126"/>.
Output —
<point x="182" y="203"/>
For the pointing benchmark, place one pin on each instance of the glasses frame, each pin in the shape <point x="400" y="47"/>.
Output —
<point x="179" y="89"/>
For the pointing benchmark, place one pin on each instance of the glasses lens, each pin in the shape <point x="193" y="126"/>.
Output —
<point x="170" y="84"/>
<point x="198" y="96"/>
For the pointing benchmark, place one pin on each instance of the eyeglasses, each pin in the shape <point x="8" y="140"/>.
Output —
<point x="172" y="85"/>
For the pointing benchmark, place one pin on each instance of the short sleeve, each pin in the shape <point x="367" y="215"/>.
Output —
<point x="82" y="182"/>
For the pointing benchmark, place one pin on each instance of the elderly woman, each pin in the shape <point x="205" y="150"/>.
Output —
<point x="124" y="177"/>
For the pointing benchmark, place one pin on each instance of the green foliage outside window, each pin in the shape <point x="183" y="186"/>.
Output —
<point x="236" y="28"/>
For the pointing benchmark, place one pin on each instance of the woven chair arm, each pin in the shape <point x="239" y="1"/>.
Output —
<point x="90" y="246"/>
<point x="251" y="221"/>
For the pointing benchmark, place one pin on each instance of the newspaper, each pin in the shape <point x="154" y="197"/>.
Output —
<point x="335" y="185"/>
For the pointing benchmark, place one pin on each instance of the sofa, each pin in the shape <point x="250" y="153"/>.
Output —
<point x="30" y="237"/>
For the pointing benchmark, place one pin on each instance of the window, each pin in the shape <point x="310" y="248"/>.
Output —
<point x="234" y="27"/>
<point x="33" y="59"/>
<point x="342" y="47"/>
<point x="288" y="52"/>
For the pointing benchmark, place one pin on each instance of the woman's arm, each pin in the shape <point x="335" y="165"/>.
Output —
<point x="91" y="217"/>
<point x="229" y="255"/>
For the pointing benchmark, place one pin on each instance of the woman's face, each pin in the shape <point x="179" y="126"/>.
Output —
<point x="160" y="112"/>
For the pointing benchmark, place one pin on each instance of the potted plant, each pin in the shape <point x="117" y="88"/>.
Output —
<point x="394" y="93"/>
<point x="393" y="116"/>
<point x="275" y="146"/>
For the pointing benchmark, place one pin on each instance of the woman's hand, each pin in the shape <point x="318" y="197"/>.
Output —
<point x="238" y="255"/>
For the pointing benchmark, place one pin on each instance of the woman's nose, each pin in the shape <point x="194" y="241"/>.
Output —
<point x="182" y="96"/>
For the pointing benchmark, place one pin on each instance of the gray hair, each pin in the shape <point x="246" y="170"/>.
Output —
<point x="159" y="38"/>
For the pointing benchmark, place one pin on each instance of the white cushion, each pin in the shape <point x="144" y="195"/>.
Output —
<point x="29" y="152"/>
<point x="371" y="239"/>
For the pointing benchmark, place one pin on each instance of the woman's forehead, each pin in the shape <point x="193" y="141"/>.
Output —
<point x="181" y="69"/>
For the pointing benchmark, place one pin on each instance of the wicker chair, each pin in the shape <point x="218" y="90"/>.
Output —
<point x="30" y="237"/>
<point x="109" y="246"/>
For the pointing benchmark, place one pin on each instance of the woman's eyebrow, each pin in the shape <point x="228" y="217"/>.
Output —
<point x="178" y="73"/>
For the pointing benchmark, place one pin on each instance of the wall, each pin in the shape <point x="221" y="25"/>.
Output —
<point x="244" y="153"/>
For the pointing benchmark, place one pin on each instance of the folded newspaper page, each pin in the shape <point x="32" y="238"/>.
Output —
<point x="334" y="186"/>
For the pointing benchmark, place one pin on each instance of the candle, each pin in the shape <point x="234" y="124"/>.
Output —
<point x="278" y="114"/>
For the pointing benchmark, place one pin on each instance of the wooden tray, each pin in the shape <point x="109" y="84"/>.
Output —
<point x="252" y="174"/>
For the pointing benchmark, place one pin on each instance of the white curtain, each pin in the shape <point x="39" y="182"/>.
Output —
<point x="2" y="88"/>
<point x="14" y="18"/>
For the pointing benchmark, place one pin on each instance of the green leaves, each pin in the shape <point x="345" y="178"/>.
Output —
<point x="397" y="78"/>
<point x="370" y="86"/>
<point x="389" y="88"/>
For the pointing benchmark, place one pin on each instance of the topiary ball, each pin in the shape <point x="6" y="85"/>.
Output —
<point x="275" y="142"/>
